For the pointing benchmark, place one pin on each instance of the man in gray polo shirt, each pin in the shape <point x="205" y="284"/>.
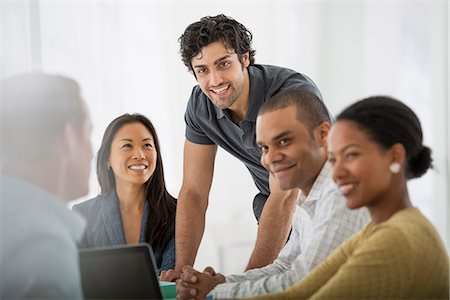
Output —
<point x="222" y="112"/>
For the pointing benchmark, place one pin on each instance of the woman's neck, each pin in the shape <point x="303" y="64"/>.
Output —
<point x="394" y="201"/>
<point x="131" y="197"/>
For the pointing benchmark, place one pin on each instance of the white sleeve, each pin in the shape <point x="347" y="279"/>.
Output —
<point x="332" y="224"/>
<point x="283" y="262"/>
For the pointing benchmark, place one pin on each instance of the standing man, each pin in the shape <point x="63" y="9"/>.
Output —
<point x="222" y="112"/>
<point x="45" y="161"/>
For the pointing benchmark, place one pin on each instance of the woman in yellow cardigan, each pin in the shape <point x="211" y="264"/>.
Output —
<point x="375" y="147"/>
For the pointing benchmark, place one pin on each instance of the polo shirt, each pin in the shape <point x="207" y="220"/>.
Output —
<point x="206" y="124"/>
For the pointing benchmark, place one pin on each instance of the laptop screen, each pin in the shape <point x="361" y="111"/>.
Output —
<point x="120" y="272"/>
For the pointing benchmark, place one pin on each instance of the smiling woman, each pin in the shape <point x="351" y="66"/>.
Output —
<point x="132" y="157"/>
<point x="134" y="205"/>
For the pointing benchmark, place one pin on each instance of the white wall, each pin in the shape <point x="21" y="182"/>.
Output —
<point x="125" y="56"/>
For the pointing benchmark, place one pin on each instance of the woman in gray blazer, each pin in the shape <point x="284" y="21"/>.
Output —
<point x="134" y="205"/>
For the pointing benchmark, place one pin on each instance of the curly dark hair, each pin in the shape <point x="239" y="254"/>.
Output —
<point x="209" y="29"/>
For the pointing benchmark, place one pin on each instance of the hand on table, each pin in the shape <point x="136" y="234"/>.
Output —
<point x="196" y="285"/>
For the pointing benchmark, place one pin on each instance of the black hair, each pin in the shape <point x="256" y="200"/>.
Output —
<point x="389" y="121"/>
<point x="161" y="216"/>
<point x="311" y="111"/>
<point x="210" y="29"/>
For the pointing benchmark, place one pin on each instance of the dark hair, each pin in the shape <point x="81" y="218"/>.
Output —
<point x="388" y="121"/>
<point x="311" y="111"/>
<point x="35" y="107"/>
<point x="209" y="29"/>
<point x="161" y="215"/>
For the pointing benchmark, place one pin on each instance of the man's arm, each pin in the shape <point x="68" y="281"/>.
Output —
<point x="274" y="225"/>
<point x="192" y="204"/>
<point x="281" y="264"/>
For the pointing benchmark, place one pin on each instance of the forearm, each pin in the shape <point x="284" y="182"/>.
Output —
<point x="190" y="225"/>
<point x="254" y="274"/>
<point x="288" y="284"/>
<point x="273" y="229"/>
<point x="270" y="283"/>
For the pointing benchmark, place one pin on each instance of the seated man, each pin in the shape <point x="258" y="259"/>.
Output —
<point x="45" y="159"/>
<point x="291" y="131"/>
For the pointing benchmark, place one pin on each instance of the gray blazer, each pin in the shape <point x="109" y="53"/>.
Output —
<point x="104" y="228"/>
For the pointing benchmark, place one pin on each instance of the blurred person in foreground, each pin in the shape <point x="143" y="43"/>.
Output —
<point x="45" y="160"/>
<point x="375" y="147"/>
<point x="134" y="205"/>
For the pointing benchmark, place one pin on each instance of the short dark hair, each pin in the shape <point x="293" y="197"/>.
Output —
<point x="210" y="29"/>
<point x="311" y="111"/>
<point x="161" y="216"/>
<point x="388" y="121"/>
<point x="34" y="109"/>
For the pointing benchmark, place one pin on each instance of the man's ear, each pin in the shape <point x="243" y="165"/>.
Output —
<point x="321" y="133"/>
<point x="246" y="59"/>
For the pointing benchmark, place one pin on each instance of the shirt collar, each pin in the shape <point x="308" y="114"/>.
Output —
<point x="257" y="93"/>
<point x="256" y="96"/>
<point x="317" y="188"/>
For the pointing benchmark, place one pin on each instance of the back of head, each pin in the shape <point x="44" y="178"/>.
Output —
<point x="311" y="111"/>
<point x="209" y="29"/>
<point x="388" y="121"/>
<point x="34" y="110"/>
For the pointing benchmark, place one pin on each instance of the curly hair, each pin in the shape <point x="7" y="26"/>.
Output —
<point x="209" y="29"/>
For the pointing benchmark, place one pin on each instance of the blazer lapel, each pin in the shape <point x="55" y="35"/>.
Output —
<point x="110" y="214"/>
<point x="144" y="222"/>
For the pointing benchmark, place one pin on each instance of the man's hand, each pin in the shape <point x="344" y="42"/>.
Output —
<point x="169" y="275"/>
<point x="196" y="285"/>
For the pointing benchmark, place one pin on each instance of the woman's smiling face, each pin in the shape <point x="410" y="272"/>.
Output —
<point x="133" y="155"/>
<point x="360" y="166"/>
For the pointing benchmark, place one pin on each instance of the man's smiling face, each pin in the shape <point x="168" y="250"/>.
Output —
<point x="220" y="74"/>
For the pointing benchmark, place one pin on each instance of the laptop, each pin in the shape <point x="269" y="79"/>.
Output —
<point x="119" y="272"/>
